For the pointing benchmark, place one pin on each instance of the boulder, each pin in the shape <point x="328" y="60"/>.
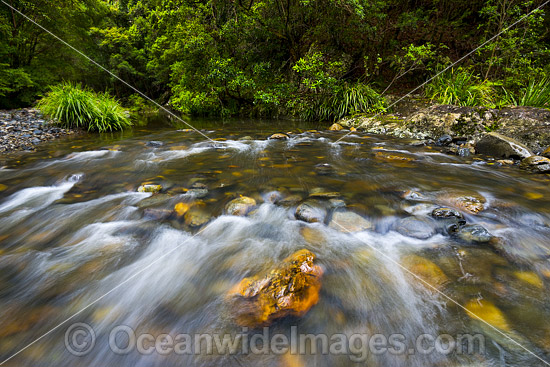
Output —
<point x="311" y="211"/>
<point x="500" y="146"/>
<point x="536" y="164"/>
<point x="416" y="227"/>
<point x="240" y="206"/>
<point x="346" y="221"/>
<point x="289" y="289"/>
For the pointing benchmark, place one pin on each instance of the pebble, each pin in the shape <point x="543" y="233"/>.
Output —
<point x="23" y="129"/>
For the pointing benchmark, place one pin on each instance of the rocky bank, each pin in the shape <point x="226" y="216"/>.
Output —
<point x="414" y="119"/>
<point x="23" y="129"/>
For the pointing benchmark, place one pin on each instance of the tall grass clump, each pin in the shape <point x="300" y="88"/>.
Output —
<point x="342" y="101"/>
<point x="72" y="106"/>
<point x="460" y="87"/>
<point x="535" y="94"/>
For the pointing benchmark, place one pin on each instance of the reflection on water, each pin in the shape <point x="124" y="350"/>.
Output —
<point x="73" y="227"/>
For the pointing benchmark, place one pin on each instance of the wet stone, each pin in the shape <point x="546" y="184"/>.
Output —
<point x="279" y="136"/>
<point x="311" y="211"/>
<point x="500" y="146"/>
<point x="425" y="269"/>
<point x="154" y="144"/>
<point x="150" y="188"/>
<point x="156" y="214"/>
<point x="446" y="213"/>
<point x="240" y="206"/>
<point x="347" y="221"/>
<point x="536" y="164"/>
<point x="444" y="140"/>
<point x="335" y="127"/>
<point x="198" y="189"/>
<point x="196" y="216"/>
<point x="292" y="288"/>
<point x="474" y="233"/>
<point x="415" y="227"/>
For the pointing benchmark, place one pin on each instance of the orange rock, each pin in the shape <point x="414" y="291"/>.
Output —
<point x="291" y="289"/>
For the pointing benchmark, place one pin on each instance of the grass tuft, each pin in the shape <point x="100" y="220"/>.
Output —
<point x="72" y="106"/>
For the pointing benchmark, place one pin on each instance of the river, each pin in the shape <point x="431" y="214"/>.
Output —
<point x="76" y="237"/>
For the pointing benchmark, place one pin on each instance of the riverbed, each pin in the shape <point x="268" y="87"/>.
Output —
<point x="407" y="238"/>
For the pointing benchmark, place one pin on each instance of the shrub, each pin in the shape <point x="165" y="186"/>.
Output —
<point x="72" y="106"/>
<point x="535" y="94"/>
<point x="461" y="87"/>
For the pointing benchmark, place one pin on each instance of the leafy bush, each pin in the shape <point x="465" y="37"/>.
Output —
<point x="72" y="106"/>
<point x="535" y="94"/>
<point x="461" y="87"/>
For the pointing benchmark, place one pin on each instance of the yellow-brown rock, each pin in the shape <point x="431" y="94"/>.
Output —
<point x="425" y="270"/>
<point x="278" y="136"/>
<point x="471" y="203"/>
<point x="335" y="127"/>
<point x="488" y="312"/>
<point x="290" y="289"/>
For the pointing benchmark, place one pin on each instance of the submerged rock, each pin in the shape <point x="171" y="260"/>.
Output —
<point x="279" y="136"/>
<point x="425" y="270"/>
<point x="290" y="289"/>
<point x="196" y="216"/>
<point x="198" y="189"/>
<point x="181" y="208"/>
<point x="156" y="214"/>
<point x="474" y="233"/>
<point x="154" y="201"/>
<point x="150" y="188"/>
<point x="240" y="206"/>
<point x="335" y="127"/>
<point x="154" y="144"/>
<point x="488" y="312"/>
<point x="346" y="221"/>
<point x="500" y="146"/>
<point x="536" y="164"/>
<point x="324" y="169"/>
<point x="311" y="211"/>
<point x="416" y="227"/>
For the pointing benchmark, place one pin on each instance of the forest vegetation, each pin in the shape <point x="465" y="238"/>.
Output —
<point x="312" y="59"/>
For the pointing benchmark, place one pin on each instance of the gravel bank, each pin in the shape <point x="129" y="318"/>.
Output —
<point x="23" y="129"/>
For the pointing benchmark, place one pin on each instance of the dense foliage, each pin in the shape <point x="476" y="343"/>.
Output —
<point x="73" y="106"/>
<point x="314" y="59"/>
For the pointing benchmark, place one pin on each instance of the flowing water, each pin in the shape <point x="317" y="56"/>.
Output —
<point x="77" y="238"/>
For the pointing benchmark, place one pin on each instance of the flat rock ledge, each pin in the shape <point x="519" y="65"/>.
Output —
<point x="23" y="129"/>
<point x="527" y="125"/>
